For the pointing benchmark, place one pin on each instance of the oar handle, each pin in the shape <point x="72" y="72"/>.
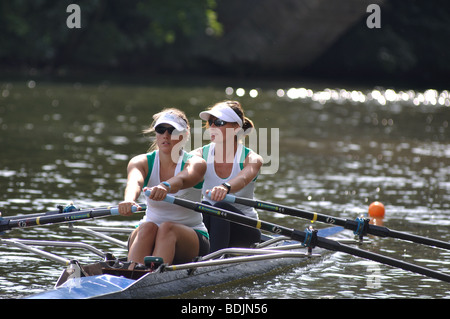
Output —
<point x="228" y="198"/>
<point x="169" y="198"/>
<point x="115" y="210"/>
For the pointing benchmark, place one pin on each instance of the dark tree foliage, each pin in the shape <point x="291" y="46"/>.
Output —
<point x="113" y="33"/>
<point x="412" y="45"/>
<point x="153" y="36"/>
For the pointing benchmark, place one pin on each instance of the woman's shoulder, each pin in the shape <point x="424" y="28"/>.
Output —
<point x="194" y="156"/>
<point x="202" y="151"/>
<point x="138" y="158"/>
<point x="251" y="156"/>
<point x="196" y="152"/>
<point x="142" y="158"/>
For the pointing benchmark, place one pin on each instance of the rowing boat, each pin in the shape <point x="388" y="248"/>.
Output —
<point x="110" y="278"/>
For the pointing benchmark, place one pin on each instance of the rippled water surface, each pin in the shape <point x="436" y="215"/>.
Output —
<point x="339" y="150"/>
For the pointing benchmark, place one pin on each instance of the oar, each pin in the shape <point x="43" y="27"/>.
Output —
<point x="309" y="237"/>
<point x="56" y="217"/>
<point x="61" y="209"/>
<point x="359" y="226"/>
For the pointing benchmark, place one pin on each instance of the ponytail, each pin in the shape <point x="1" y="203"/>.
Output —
<point x="247" y="126"/>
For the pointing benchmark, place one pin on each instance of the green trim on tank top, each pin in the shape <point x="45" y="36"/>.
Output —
<point x="201" y="232"/>
<point x="151" y="161"/>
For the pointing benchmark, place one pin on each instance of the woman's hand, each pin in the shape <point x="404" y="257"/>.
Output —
<point x="218" y="193"/>
<point x="125" y="207"/>
<point x="157" y="192"/>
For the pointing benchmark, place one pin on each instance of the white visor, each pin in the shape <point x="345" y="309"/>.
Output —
<point x="172" y="119"/>
<point x="223" y="112"/>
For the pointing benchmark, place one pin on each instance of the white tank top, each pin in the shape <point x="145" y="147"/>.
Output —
<point x="160" y="211"/>
<point x="211" y="178"/>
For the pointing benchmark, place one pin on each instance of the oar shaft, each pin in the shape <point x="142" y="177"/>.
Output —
<point x="418" y="239"/>
<point x="56" y="218"/>
<point x="303" y="237"/>
<point x="51" y="219"/>
<point x="380" y="231"/>
<point x="236" y="218"/>
<point x="52" y="212"/>
<point x="334" y="245"/>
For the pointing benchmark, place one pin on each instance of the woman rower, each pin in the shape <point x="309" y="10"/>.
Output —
<point x="174" y="233"/>
<point x="231" y="168"/>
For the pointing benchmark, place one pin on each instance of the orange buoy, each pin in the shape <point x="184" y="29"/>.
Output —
<point x="376" y="210"/>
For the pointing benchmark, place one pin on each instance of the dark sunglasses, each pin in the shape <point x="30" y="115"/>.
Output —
<point x="162" y="129"/>
<point x="217" y="122"/>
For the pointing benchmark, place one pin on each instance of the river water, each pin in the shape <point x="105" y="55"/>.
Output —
<point x="328" y="149"/>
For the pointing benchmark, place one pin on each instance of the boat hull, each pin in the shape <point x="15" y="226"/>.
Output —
<point x="176" y="283"/>
<point x="168" y="283"/>
<point x="228" y="266"/>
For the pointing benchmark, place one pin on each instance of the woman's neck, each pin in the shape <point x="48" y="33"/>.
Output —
<point x="167" y="165"/>
<point x="169" y="158"/>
